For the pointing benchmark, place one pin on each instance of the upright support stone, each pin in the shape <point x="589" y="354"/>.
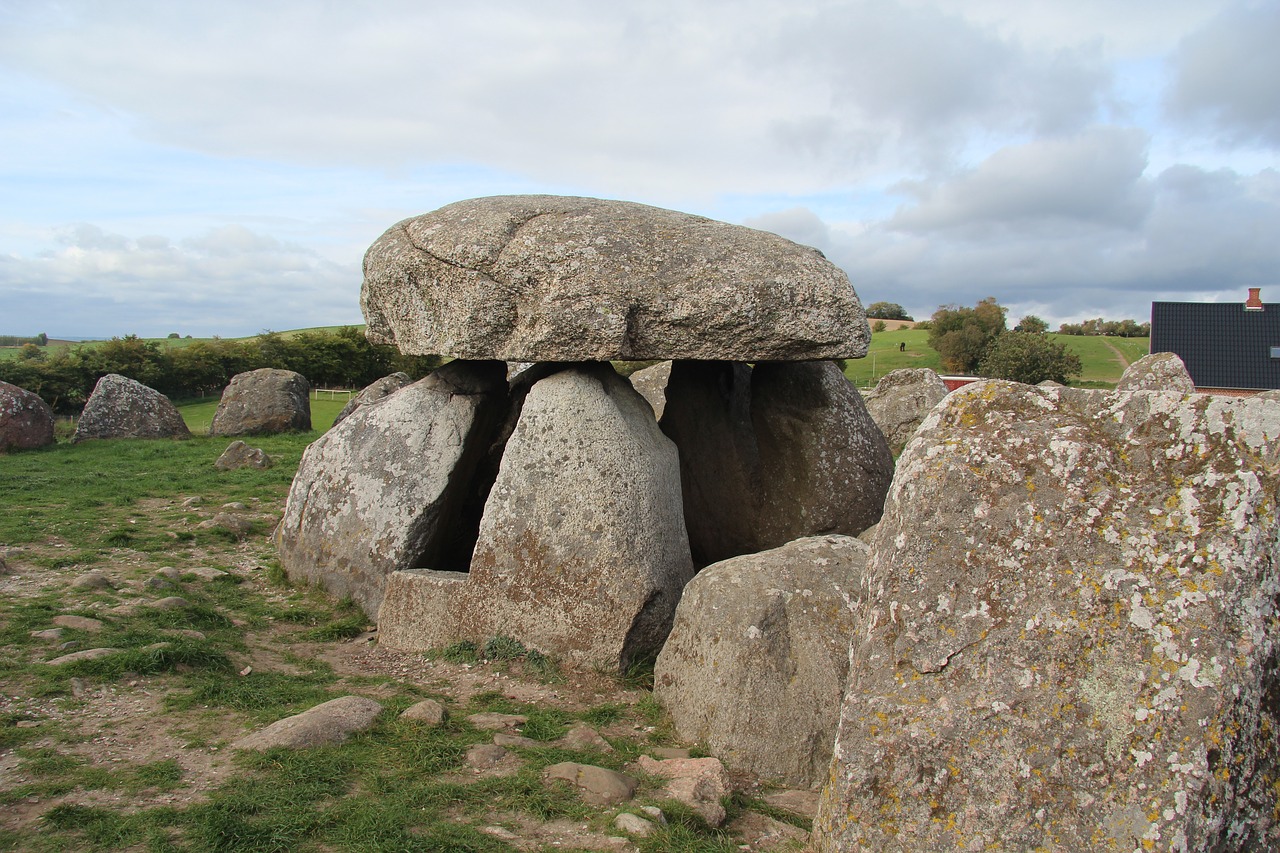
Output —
<point x="772" y="454"/>
<point x="582" y="551"/>
<point x="384" y="489"/>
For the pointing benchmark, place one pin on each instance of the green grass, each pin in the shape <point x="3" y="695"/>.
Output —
<point x="198" y="413"/>
<point x="1101" y="367"/>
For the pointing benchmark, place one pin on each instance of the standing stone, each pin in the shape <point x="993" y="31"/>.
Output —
<point x="582" y="550"/>
<point x="551" y="278"/>
<point x="772" y="454"/>
<point x="1160" y="371"/>
<point x="262" y="402"/>
<point x="383" y="490"/>
<point x="900" y="401"/>
<point x="120" y="407"/>
<point x="1070" y="636"/>
<point x="26" y="421"/>
<point x="373" y="392"/>
<point x="758" y="658"/>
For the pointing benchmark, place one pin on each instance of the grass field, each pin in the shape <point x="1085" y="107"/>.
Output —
<point x="133" y="750"/>
<point x="1102" y="367"/>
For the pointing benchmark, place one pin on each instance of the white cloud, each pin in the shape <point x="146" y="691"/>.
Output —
<point x="230" y="281"/>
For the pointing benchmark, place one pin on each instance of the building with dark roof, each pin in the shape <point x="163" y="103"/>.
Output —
<point x="1226" y="346"/>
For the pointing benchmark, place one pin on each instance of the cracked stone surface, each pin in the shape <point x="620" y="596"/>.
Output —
<point x="552" y="278"/>
<point x="1069" y="637"/>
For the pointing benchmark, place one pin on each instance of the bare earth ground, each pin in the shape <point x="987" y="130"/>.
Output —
<point x="123" y="722"/>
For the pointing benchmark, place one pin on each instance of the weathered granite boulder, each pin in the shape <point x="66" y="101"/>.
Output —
<point x="900" y="401"/>
<point x="373" y="392"/>
<point x="651" y="382"/>
<point x="383" y="490"/>
<point x="1070" y="636"/>
<point x="240" y="455"/>
<point x="262" y="402"/>
<point x="327" y="723"/>
<point x="772" y="454"/>
<point x="1269" y="395"/>
<point x="26" y="421"/>
<point x="758" y="657"/>
<point x="582" y="550"/>
<point x="1160" y="371"/>
<point x="552" y="278"/>
<point x="120" y="407"/>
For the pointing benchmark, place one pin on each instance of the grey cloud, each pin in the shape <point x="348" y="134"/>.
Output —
<point x="1094" y="177"/>
<point x="1227" y="76"/>
<point x="1206" y="236"/>
<point x="798" y="224"/>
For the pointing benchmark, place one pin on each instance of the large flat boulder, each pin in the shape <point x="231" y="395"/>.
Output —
<point x="384" y="489"/>
<point x="1070" y="638"/>
<point x="26" y="421"/>
<point x="772" y="453"/>
<point x="553" y="278"/>
<point x="120" y="407"/>
<point x="263" y="402"/>
<point x="582" y="550"/>
<point x="758" y="658"/>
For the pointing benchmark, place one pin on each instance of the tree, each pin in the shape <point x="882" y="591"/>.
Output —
<point x="1029" y="357"/>
<point x="887" y="311"/>
<point x="878" y="326"/>
<point x="1033" y="324"/>
<point x="961" y="335"/>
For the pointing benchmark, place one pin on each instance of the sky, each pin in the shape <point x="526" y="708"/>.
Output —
<point x="220" y="168"/>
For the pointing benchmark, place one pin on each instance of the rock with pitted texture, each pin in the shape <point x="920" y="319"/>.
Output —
<point x="582" y="550"/>
<point x="901" y="399"/>
<point x="1160" y="371"/>
<point x="262" y="402"/>
<point x="26" y="421"/>
<point x="553" y="278"/>
<point x="1070" y="635"/>
<point x="120" y="407"/>
<point x="384" y="489"/>
<point x="377" y="390"/>
<point x="758" y="658"/>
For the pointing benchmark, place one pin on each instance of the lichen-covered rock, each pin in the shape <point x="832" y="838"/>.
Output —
<point x="240" y="455"/>
<point x="772" y="453"/>
<point x="383" y="490"/>
<point x="262" y="402"/>
<point x="1160" y="371"/>
<point x="1069" y="639"/>
<point x="582" y="550"/>
<point x="901" y="399"/>
<point x="758" y="657"/>
<point x="377" y="390"/>
<point x="26" y="421"/>
<point x="120" y="407"/>
<point x="553" y="278"/>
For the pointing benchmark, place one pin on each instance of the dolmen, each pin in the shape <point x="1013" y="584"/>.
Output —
<point x="555" y="508"/>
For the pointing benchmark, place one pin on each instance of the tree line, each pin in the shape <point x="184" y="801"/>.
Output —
<point x="39" y="340"/>
<point x="976" y="341"/>
<point x="66" y="377"/>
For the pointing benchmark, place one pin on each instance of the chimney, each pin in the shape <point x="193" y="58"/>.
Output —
<point x="1254" y="302"/>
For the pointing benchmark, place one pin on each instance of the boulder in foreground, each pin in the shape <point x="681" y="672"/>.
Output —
<point x="1070" y="637"/>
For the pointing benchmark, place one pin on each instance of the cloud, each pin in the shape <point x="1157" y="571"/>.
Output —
<point x="1227" y="76"/>
<point x="229" y="281"/>
<point x="1093" y="178"/>
<point x="665" y="97"/>
<point x="1202" y="236"/>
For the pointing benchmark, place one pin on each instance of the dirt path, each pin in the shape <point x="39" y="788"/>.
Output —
<point x="1120" y="357"/>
